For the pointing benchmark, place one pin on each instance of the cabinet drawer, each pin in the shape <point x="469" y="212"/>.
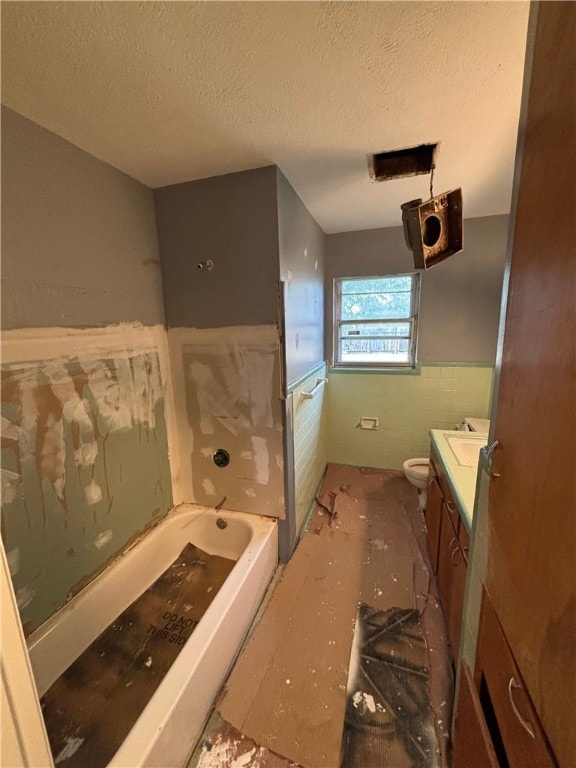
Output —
<point x="502" y="689"/>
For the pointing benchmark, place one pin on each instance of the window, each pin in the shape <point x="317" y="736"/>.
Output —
<point x="376" y="321"/>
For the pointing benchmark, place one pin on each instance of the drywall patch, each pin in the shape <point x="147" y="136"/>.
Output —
<point x="261" y="459"/>
<point x="86" y="444"/>
<point x="103" y="538"/>
<point x="93" y="493"/>
<point x="208" y="487"/>
<point x="231" y="383"/>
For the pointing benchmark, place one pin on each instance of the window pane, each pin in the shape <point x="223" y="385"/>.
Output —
<point x="375" y="306"/>
<point x="377" y="284"/>
<point x="374" y="329"/>
<point x="376" y="351"/>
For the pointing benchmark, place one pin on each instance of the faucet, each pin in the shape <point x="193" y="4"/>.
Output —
<point x="220" y="504"/>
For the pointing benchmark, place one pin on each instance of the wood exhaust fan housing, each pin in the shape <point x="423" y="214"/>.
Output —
<point x="433" y="229"/>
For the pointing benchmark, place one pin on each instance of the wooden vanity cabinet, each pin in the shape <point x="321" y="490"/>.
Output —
<point x="448" y="545"/>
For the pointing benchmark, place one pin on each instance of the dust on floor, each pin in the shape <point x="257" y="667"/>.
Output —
<point x="364" y="544"/>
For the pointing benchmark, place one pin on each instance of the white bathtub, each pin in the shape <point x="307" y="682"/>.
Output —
<point x="168" y="728"/>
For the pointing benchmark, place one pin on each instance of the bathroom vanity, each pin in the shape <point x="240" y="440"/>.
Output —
<point x="450" y="502"/>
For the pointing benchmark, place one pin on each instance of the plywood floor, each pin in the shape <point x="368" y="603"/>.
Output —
<point x="377" y="510"/>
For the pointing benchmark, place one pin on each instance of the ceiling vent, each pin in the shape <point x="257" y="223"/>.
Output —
<point x="433" y="229"/>
<point x="402" y="162"/>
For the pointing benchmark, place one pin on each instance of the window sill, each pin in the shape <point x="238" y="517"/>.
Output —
<point x="402" y="371"/>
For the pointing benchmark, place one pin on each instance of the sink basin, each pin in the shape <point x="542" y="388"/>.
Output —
<point x="467" y="449"/>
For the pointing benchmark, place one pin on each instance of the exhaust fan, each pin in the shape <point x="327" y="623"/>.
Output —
<point x="433" y="229"/>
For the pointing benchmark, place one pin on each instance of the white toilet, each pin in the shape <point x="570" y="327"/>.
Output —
<point x="416" y="472"/>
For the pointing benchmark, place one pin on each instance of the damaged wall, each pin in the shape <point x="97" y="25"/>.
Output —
<point x="84" y="433"/>
<point x="84" y="465"/>
<point x="227" y="389"/>
<point x="229" y="380"/>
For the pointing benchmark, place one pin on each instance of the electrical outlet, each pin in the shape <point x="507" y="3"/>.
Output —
<point x="369" y="422"/>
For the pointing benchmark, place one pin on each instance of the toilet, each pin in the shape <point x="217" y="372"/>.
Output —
<point x="416" y="472"/>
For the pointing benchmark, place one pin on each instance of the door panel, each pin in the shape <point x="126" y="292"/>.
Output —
<point x="532" y="552"/>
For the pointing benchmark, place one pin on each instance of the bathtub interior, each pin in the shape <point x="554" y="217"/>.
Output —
<point x="55" y="645"/>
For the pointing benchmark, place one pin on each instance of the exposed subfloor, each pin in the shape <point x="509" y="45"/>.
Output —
<point x="389" y="705"/>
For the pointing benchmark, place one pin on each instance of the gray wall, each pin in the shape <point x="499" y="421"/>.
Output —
<point x="301" y="243"/>
<point x="233" y="221"/>
<point x="460" y="298"/>
<point x="79" y="244"/>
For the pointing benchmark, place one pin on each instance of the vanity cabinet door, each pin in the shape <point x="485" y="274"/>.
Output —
<point x="444" y="575"/>
<point x="433" y="517"/>
<point x="451" y="579"/>
<point x="458" y="587"/>
<point x="503" y="693"/>
<point x="472" y="744"/>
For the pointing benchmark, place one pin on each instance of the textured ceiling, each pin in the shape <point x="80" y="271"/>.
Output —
<point x="173" y="91"/>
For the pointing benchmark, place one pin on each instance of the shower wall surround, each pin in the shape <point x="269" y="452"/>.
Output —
<point x="84" y="459"/>
<point x="227" y="397"/>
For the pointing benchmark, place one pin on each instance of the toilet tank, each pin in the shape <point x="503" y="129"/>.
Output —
<point x="472" y="424"/>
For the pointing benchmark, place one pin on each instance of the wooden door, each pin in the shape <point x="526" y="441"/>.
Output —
<point x="532" y="550"/>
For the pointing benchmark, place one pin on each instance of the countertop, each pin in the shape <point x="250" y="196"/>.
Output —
<point x="462" y="480"/>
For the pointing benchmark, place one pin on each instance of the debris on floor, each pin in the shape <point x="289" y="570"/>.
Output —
<point x="290" y="694"/>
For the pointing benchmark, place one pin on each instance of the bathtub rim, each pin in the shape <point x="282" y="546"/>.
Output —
<point x="48" y="632"/>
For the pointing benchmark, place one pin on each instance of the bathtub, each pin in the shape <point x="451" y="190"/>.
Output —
<point x="168" y="728"/>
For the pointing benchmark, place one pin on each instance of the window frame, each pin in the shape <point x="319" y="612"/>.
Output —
<point x="412" y="320"/>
